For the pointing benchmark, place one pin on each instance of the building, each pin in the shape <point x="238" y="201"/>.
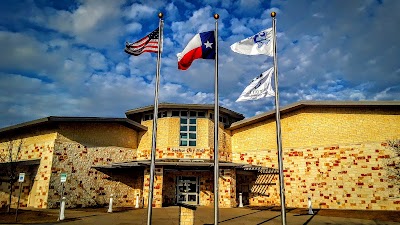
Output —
<point x="334" y="152"/>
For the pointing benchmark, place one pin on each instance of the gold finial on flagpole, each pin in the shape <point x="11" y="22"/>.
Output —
<point x="160" y="15"/>
<point x="273" y="14"/>
<point x="216" y="16"/>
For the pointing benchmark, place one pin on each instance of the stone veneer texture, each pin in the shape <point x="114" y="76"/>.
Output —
<point x="338" y="177"/>
<point x="168" y="137"/>
<point x="158" y="186"/>
<point x="87" y="186"/>
<point x="35" y="186"/>
<point x="186" y="216"/>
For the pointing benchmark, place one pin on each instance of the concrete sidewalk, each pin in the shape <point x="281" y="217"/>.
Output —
<point x="205" y="216"/>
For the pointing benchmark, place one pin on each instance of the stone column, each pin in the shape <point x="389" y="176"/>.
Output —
<point x="227" y="188"/>
<point x="158" y="185"/>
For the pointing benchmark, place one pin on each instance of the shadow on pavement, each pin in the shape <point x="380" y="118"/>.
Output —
<point x="309" y="219"/>
<point x="236" y="217"/>
<point x="269" y="219"/>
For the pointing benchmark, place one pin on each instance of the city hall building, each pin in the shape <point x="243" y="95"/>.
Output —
<point x="336" y="153"/>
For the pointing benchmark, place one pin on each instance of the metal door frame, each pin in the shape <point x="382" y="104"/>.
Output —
<point x="181" y="182"/>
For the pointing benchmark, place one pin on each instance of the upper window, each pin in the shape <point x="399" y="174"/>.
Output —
<point x="148" y="116"/>
<point x="162" y="114"/>
<point x="188" y="131"/>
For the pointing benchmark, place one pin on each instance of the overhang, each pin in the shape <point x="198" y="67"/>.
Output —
<point x="187" y="164"/>
<point x="185" y="106"/>
<point x="58" y="119"/>
<point x="27" y="162"/>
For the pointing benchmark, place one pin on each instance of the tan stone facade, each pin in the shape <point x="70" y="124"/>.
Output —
<point x="37" y="177"/>
<point x="335" y="154"/>
<point x="74" y="149"/>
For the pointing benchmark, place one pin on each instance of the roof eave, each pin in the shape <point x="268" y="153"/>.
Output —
<point x="184" y="106"/>
<point x="302" y="104"/>
<point x="56" y="119"/>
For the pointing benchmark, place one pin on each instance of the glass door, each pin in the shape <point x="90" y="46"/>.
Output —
<point x="187" y="190"/>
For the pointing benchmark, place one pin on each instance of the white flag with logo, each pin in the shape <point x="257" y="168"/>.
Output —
<point x="258" y="44"/>
<point x="260" y="87"/>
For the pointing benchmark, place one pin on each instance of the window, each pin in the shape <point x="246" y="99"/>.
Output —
<point x="175" y="113"/>
<point x="201" y="114"/>
<point x="223" y="119"/>
<point x="188" y="130"/>
<point x="148" y="117"/>
<point x="162" y="114"/>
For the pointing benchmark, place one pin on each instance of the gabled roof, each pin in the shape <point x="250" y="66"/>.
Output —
<point x="59" y="119"/>
<point x="184" y="106"/>
<point x="327" y="104"/>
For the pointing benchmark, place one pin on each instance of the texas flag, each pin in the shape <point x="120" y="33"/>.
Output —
<point x="202" y="46"/>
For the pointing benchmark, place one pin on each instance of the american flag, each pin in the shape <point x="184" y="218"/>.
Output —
<point x="146" y="44"/>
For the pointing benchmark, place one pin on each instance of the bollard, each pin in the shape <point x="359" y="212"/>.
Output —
<point x="240" y="200"/>
<point x="62" y="210"/>
<point x="137" y="201"/>
<point x="110" y="205"/>
<point x="310" y="212"/>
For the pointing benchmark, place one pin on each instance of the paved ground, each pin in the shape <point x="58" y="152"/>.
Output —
<point x="205" y="216"/>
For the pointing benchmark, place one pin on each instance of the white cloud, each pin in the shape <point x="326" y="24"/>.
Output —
<point x="139" y="11"/>
<point x="326" y="51"/>
<point x="121" y="68"/>
<point x="87" y="23"/>
<point x="97" y="61"/>
<point x="134" y="27"/>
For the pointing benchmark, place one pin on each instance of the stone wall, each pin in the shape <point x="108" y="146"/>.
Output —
<point x="319" y="127"/>
<point x="35" y="187"/>
<point x="336" y="177"/>
<point x="258" y="189"/>
<point x="227" y="188"/>
<point x="337" y="156"/>
<point x="158" y="187"/>
<point x="77" y="156"/>
<point x="168" y="140"/>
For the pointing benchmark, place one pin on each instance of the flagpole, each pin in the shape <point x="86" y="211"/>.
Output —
<point x="216" y="127"/>
<point x="155" y="116"/>
<point x="278" y="125"/>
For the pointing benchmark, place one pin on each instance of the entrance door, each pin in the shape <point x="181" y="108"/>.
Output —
<point x="187" y="190"/>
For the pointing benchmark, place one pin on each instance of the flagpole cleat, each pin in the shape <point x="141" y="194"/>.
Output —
<point x="216" y="16"/>
<point x="160" y="15"/>
<point x="273" y="14"/>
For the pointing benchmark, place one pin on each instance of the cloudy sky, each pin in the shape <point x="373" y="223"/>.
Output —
<point x="66" y="58"/>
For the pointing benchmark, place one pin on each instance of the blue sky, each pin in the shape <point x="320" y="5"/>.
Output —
<point x="66" y="58"/>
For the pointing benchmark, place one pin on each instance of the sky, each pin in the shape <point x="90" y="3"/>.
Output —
<point x="66" y="58"/>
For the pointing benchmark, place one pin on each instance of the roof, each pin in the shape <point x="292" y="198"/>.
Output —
<point x="184" y="106"/>
<point x="304" y="104"/>
<point x="187" y="163"/>
<point x="57" y="119"/>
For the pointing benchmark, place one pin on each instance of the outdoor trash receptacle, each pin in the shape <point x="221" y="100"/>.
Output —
<point x="186" y="214"/>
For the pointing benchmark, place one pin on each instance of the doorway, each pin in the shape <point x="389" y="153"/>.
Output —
<point x="187" y="190"/>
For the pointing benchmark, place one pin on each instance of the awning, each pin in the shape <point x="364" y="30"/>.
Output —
<point x="28" y="162"/>
<point x="188" y="164"/>
<point x="15" y="167"/>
